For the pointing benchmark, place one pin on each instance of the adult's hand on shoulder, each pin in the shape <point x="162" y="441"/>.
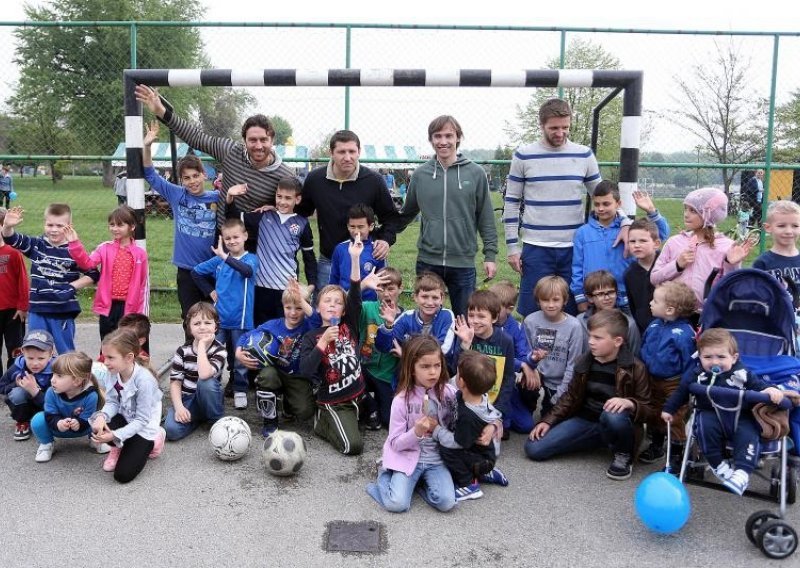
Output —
<point x="380" y="250"/>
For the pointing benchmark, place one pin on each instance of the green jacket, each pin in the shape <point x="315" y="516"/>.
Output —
<point x="455" y="206"/>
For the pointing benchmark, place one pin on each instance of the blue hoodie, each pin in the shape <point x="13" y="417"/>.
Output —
<point x="18" y="369"/>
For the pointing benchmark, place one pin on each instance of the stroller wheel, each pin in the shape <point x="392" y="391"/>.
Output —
<point x="754" y="523"/>
<point x="777" y="539"/>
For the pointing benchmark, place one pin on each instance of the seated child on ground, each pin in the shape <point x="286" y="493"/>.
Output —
<point x="608" y="398"/>
<point x="424" y="400"/>
<point x="667" y="352"/>
<point x="719" y="366"/>
<point x="26" y="381"/>
<point x="556" y="339"/>
<point x="195" y="379"/>
<point x="469" y="460"/>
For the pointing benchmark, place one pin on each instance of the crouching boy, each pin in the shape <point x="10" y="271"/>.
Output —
<point x="608" y="397"/>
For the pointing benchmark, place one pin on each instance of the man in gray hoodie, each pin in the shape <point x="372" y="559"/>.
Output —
<point x="452" y="193"/>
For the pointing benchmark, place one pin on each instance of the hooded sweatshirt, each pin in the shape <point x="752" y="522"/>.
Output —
<point x="455" y="205"/>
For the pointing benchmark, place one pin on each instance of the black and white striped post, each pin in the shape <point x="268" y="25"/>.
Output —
<point x="629" y="81"/>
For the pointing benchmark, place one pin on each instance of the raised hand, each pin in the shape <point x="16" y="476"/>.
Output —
<point x="355" y="247"/>
<point x="149" y="97"/>
<point x="13" y="217"/>
<point x="70" y="233"/>
<point x="219" y="250"/>
<point x="152" y="133"/>
<point x="644" y="201"/>
<point x="388" y="313"/>
<point x="464" y="332"/>
<point x="373" y="280"/>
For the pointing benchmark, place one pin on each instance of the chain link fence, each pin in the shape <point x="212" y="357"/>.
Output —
<point x="709" y="100"/>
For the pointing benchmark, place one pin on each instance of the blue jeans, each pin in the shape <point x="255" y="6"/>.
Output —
<point x="323" y="273"/>
<point x="613" y="430"/>
<point x="62" y="330"/>
<point x="538" y="262"/>
<point x="205" y="405"/>
<point x="393" y="489"/>
<point x="238" y="372"/>
<point x="45" y="435"/>
<point x="460" y="284"/>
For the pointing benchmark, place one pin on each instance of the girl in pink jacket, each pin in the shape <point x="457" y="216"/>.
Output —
<point x="699" y="255"/>
<point x="424" y="399"/>
<point x="123" y="285"/>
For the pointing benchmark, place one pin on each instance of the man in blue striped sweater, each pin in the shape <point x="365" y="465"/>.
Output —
<point x="550" y="177"/>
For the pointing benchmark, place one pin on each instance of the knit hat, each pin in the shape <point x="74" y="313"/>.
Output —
<point x="710" y="203"/>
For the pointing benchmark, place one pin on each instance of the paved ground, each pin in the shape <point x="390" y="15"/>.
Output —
<point x="189" y="509"/>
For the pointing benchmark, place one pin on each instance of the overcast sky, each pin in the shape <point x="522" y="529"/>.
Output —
<point x="443" y="49"/>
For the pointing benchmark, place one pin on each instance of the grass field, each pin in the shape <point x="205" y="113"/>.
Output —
<point x="91" y="203"/>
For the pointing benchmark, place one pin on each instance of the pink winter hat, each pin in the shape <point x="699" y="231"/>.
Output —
<point x="710" y="203"/>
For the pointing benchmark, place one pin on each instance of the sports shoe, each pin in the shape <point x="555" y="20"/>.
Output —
<point x="22" y="431"/>
<point x="111" y="460"/>
<point x="621" y="467"/>
<point x="472" y="491"/>
<point x="723" y="471"/>
<point x="652" y="454"/>
<point x="240" y="400"/>
<point x="374" y="421"/>
<point x="101" y="448"/>
<point x="158" y="444"/>
<point x="44" y="453"/>
<point x="495" y="477"/>
<point x="738" y="481"/>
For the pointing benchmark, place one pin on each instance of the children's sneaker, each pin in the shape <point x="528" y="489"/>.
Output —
<point x="472" y="491"/>
<point x="44" y="453"/>
<point x="374" y="421"/>
<point x="240" y="400"/>
<point x="495" y="477"/>
<point x="738" y="481"/>
<point x="652" y="454"/>
<point x="723" y="471"/>
<point x="101" y="448"/>
<point x="158" y="444"/>
<point x="621" y="467"/>
<point x="111" y="460"/>
<point x="22" y="431"/>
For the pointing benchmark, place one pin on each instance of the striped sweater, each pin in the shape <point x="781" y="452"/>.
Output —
<point x="52" y="271"/>
<point x="237" y="168"/>
<point x="184" y="365"/>
<point x="551" y="182"/>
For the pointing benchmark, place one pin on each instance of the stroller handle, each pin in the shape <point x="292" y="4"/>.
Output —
<point x="722" y="395"/>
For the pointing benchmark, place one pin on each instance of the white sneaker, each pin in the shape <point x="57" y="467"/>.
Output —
<point x="44" y="453"/>
<point x="738" y="481"/>
<point x="723" y="471"/>
<point x="100" y="448"/>
<point x="240" y="400"/>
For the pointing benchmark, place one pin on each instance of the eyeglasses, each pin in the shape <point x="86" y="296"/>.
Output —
<point x="604" y="294"/>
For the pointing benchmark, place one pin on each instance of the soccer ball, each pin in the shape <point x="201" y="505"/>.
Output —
<point x="230" y="437"/>
<point x="262" y="346"/>
<point x="284" y="453"/>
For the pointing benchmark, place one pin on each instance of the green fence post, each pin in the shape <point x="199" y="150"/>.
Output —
<point x="133" y="45"/>
<point x="770" y="134"/>
<point x="562" y="59"/>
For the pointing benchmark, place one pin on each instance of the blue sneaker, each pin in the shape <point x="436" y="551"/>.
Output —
<point x="495" y="477"/>
<point x="472" y="491"/>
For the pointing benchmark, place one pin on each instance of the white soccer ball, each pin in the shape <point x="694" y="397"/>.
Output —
<point x="284" y="453"/>
<point x="230" y="437"/>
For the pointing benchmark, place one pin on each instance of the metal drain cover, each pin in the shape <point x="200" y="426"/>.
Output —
<point x="346" y="536"/>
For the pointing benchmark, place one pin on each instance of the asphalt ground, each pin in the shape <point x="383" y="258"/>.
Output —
<point x="188" y="508"/>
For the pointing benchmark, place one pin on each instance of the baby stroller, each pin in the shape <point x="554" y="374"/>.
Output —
<point x="758" y="311"/>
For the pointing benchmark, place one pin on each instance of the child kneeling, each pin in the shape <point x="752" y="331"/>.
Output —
<point x="608" y="396"/>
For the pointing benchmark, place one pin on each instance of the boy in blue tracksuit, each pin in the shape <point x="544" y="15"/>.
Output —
<point x="27" y="380"/>
<point x="667" y="350"/>
<point x="361" y="221"/>
<point x="508" y="294"/>
<point x="233" y="295"/>
<point x="429" y="318"/>
<point x="593" y="244"/>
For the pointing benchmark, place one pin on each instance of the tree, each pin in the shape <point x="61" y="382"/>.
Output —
<point x="499" y="172"/>
<point x="788" y="130"/>
<point x="283" y="130"/>
<point x="718" y="105"/>
<point x="223" y="112"/>
<point x="581" y="54"/>
<point x="71" y="77"/>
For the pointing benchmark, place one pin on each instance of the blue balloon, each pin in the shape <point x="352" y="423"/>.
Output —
<point x="662" y="503"/>
<point x="12" y="195"/>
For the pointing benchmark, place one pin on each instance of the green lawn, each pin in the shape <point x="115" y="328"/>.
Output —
<point x="91" y="203"/>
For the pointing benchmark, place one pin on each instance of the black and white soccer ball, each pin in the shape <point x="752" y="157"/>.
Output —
<point x="230" y="438"/>
<point x="284" y="453"/>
